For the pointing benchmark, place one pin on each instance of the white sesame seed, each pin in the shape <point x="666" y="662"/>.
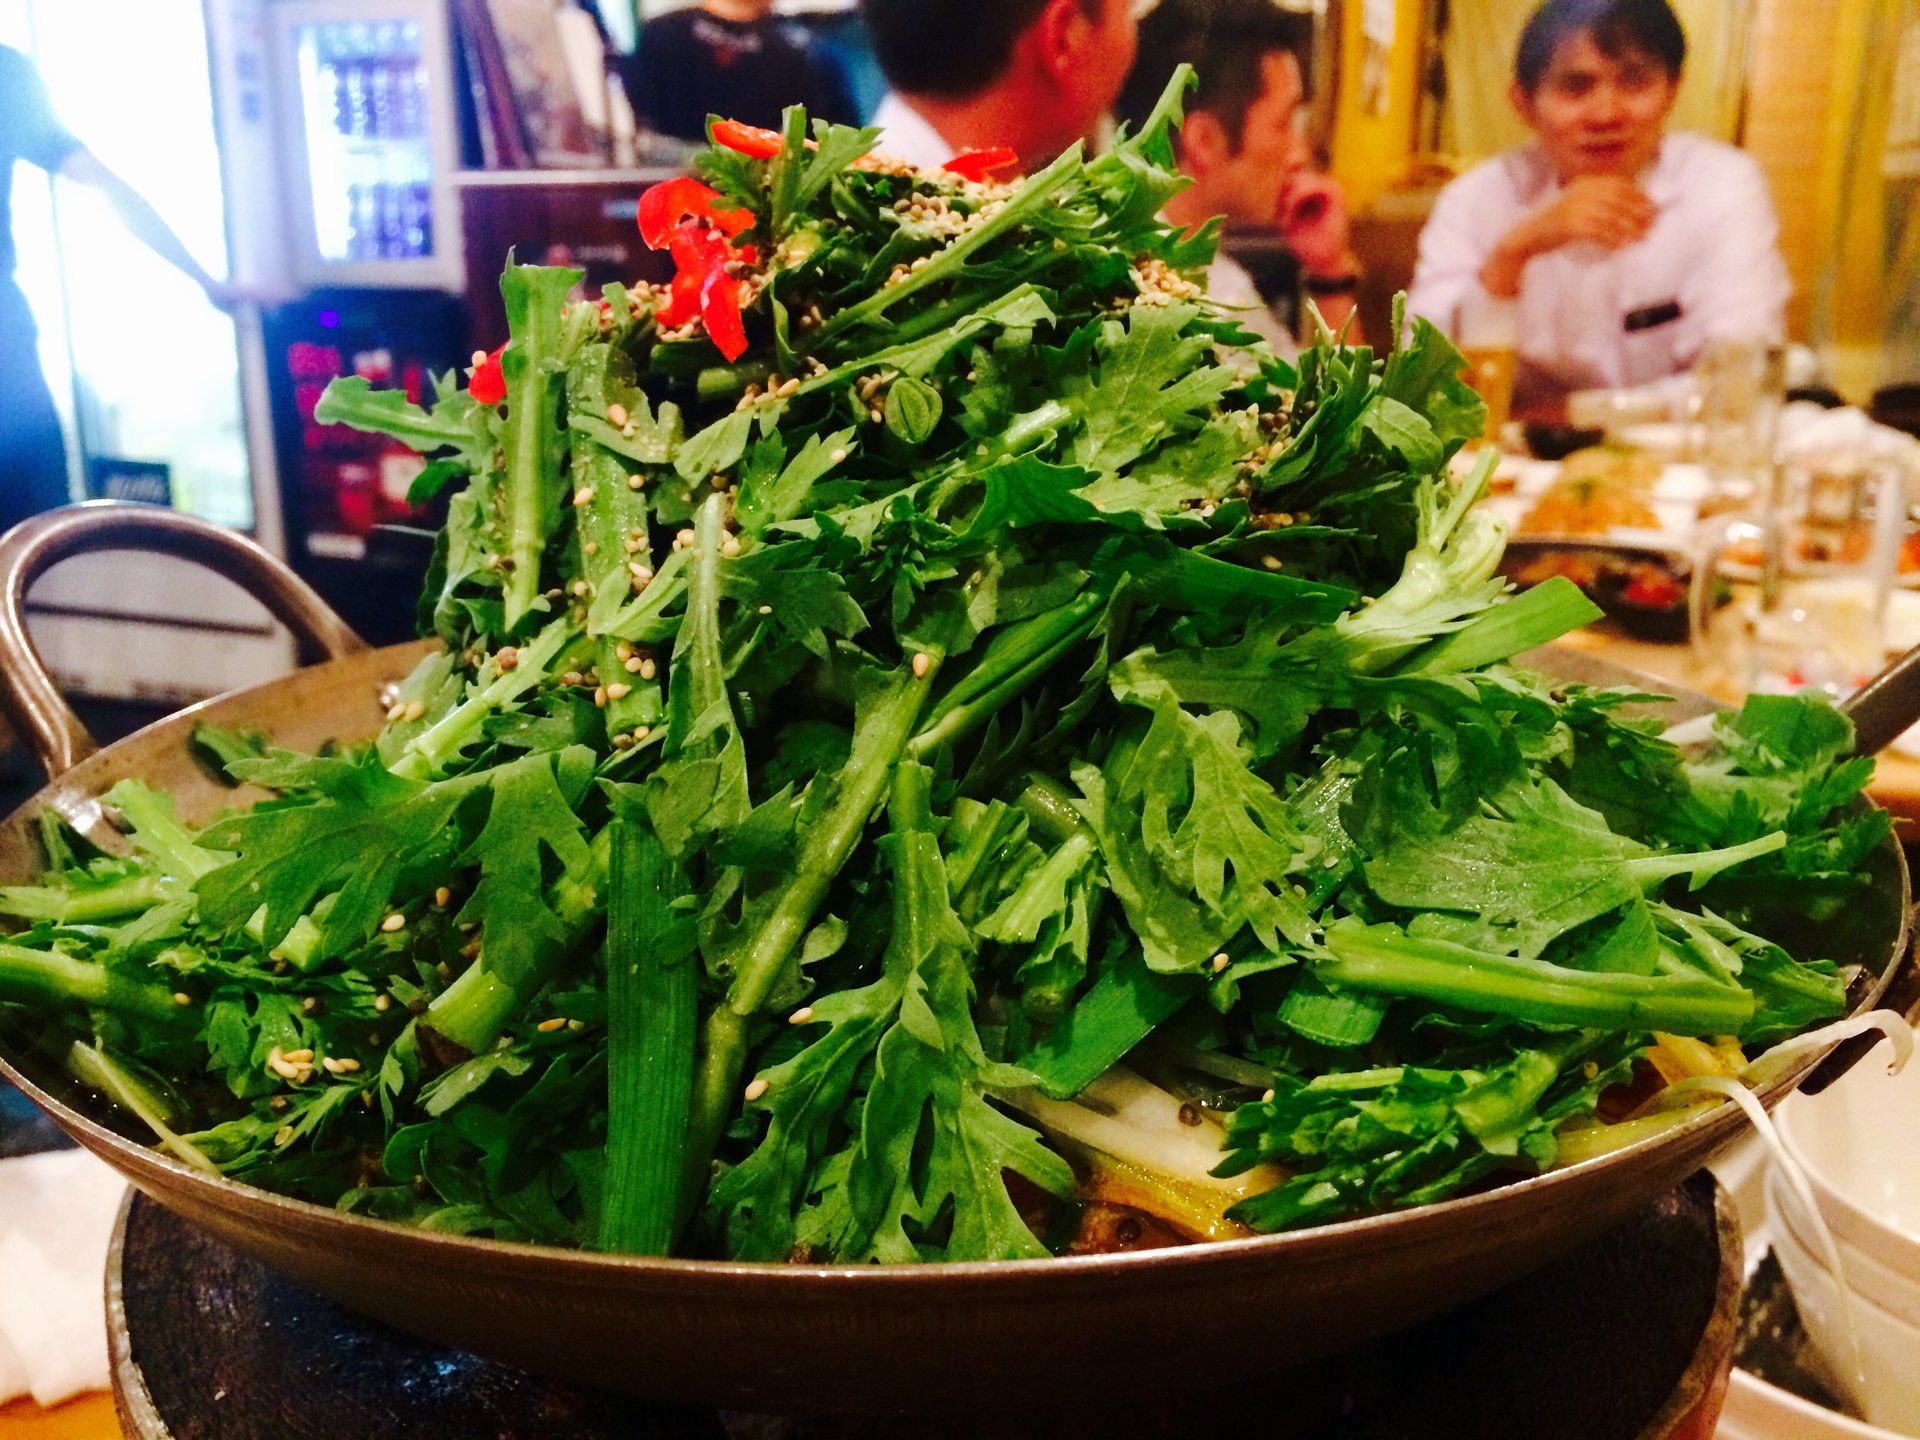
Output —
<point x="634" y="482"/>
<point x="801" y="1016"/>
<point x="616" y="414"/>
<point x="633" y="664"/>
<point x="766" y="609"/>
<point x="442" y="896"/>
<point x="1220" y="962"/>
<point x="1268" y="1096"/>
<point x="180" y="997"/>
<point x="393" y="922"/>
<point x="284" y="1135"/>
<point x="590" y="548"/>
<point x="583" y="496"/>
<point x="600" y="697"/>
<point x="641" y="571"/>
<point x="619" y="691"/>
<point x="730" y="547"/>
<point x="383" y="1003"/>
<point x="756" y="1090"/>
<point x="648" y="669"/>
<point x="547" y="1027"/>
<point x="344" y="1065"/>
<point x="302" y="1056"/>
<point x="576" y="1025"/>
<point x="684" y="539"/>
<point x="623" y="649"/>
<point x="838" y="455"/>
<point x="581" y="589"/>
<point x="640" y="732"/>
<point x="414" y="711"/>
<point x="396" y="710"/>
<point x="921" y="664"/>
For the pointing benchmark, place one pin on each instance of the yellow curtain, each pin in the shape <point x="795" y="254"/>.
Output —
<point x="1477" y="119"/>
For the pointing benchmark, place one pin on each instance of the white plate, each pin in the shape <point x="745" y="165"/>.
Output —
<point x="1756" y="1410"/>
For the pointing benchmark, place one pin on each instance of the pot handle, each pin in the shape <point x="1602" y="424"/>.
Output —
<point x="28" y="696"/>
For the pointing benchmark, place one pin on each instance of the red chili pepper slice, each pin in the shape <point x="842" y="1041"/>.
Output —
<point x="720" y="308"/>
<point x="749" y="140"/>
<point x="978" y="164"/>
<point x="665" y="205"/>
<point x="488" y="382"/>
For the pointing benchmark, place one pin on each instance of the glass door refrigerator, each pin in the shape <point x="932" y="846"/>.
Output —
<point x="339" y="124"/>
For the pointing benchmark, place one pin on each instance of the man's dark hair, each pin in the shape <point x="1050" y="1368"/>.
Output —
<point x="1617" y="27"/>
<point x="1226" y="42"/>
<point x="950" y="48"/>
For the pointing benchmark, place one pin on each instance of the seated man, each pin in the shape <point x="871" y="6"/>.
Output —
<point x="1243" y="148"/>
<point x="735" y="59"/>
<point x="1628" y="250"/>
<point x="1031" y="75"/>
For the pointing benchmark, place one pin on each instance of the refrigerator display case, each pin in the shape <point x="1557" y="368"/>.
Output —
<point x="368" y="142"/>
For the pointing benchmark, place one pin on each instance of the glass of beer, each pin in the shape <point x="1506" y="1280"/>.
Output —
<point x="1488" y="334"/>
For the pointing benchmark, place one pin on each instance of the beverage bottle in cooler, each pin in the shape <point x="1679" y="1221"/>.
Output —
<point x="419" y="219"/>
<point x="393" y="225"/>
<point x="363" y="228"/>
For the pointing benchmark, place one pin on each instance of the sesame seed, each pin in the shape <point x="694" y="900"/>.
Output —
<point x="344" y="1065"/>
<point x="1220" y="962"/>
<point x="1272" y="562"/>
<point x="730" y="547"/>
<point x="303" y="1056"/>
<point x="284" y="1135"/>
<point x="1268" y="1097"/>
<point x="383" y="1003"/>
<point x="414" y="711"/>
<point x="640" y="732"/>
<point x="280" y="1065"/>
<point x="393" y="922"/>
<point x="590" y="548"/>
<point x="838" y="455"/>
<point x="921" y="664"/>
<point x="624" y="650"/>
<point x="180" y="997"/>
<point x="648" y="670"/>
<point x="756" y="1090"/>
<point x="442" y="896"/>
<point x="396" y="710"/>
<point x="547" y="1027"/>
<point x="801" y="1016"/>
<point x="581" y="589"/>
<point x="766" y="609"/>
<point x="600" y="697"/>
<point x="277" y="1102"/>
<point x="583" y="496"/>
<point x="684" y="539"/>
<point x="445" y="971"/>
<point x="616" y="414"/>
<point x="619" y="691"/>
<point x="479" y="357"/>
<point x="576" y="1025"/>
<point x="641" y="573"/>
<point x="634" y="482"/>
<point x="633" y="664"/>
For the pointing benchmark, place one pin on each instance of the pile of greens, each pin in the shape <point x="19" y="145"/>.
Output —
<point x="1003" y="735"/>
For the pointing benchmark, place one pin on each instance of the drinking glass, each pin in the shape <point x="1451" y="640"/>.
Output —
<point x="1812" y="567"/>
<point x="1739" y="389"/>
<point x="1487" y="331"/>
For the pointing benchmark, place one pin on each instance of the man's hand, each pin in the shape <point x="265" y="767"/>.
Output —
<point x="1603" y="209"/>
<point x="1315" y="225"/>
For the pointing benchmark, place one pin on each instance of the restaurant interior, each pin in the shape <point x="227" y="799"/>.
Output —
<point x="1598" y="319"/>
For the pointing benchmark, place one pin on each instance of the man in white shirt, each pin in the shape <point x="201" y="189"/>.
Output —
<point x="1243" y="147"/>
<point x="1628" y="250"/>
<point x="1030" y="75"/>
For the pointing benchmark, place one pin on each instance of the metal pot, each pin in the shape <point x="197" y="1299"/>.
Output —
<point x="810" y="1338"/>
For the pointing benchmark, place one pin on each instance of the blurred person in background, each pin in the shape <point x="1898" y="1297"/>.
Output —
<point x="1627" y="250"/>
<point x="33" y="459"/>
<point x="1244" y="148"/>
<point x="735" y="59"/>
<point x="1033" y="76"/>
